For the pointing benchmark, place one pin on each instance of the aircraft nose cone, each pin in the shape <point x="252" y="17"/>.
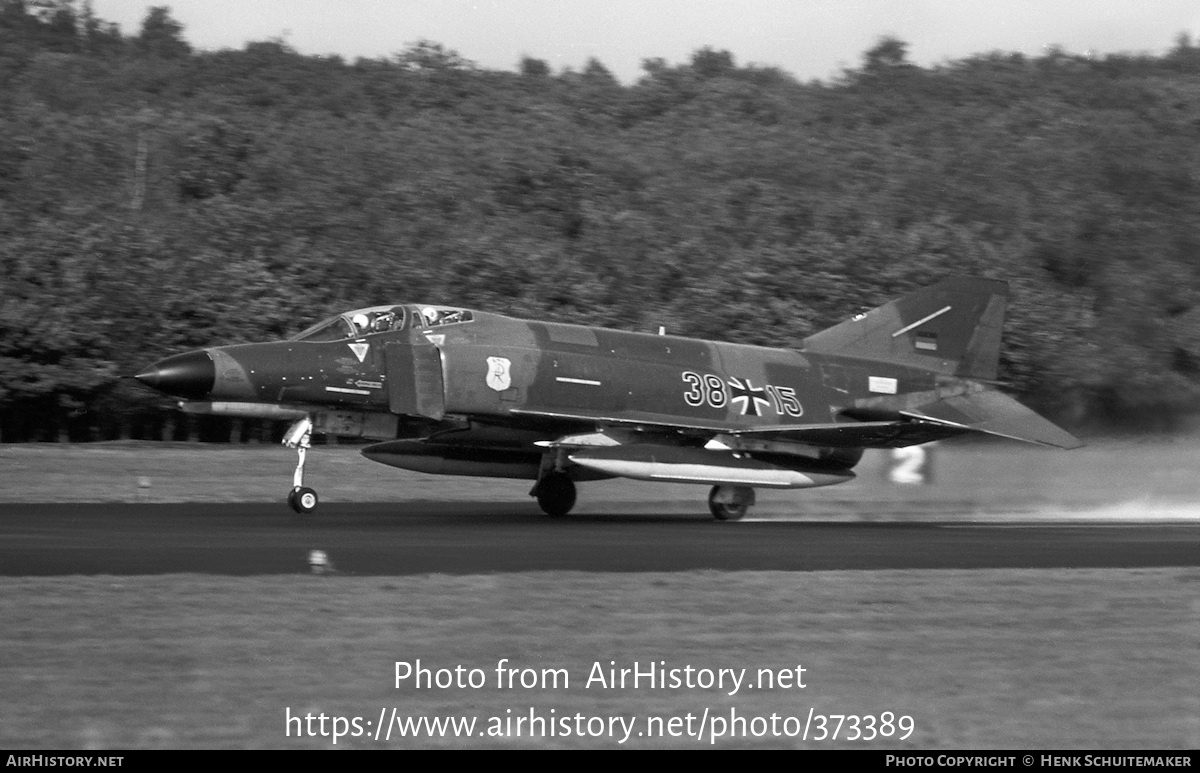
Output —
<point x="190" y="375"/>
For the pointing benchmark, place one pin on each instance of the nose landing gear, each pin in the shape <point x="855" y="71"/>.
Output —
<point x="299" y="436"/>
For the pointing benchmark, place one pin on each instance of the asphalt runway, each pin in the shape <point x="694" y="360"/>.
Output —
<point x="469" y="538"/>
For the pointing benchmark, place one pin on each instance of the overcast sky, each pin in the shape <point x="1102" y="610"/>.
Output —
<point x="808" y="38"/>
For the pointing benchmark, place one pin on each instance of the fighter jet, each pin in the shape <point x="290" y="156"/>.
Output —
<point x="458" y="391"/>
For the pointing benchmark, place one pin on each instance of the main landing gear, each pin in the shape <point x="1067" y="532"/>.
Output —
<point x="554" y="490"/>
<point x="730" y="503"/>
<point x="299" y="436"/>
<point x="555" y="493"/>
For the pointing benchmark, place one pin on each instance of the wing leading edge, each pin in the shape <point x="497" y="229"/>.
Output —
<point x="986" y="411"/>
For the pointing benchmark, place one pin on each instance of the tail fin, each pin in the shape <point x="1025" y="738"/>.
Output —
<point x="952" y="327"/>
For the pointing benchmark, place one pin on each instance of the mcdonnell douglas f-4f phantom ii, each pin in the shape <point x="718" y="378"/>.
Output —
<point x="463" y="392"/>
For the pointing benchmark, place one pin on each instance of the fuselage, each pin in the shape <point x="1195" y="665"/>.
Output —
<point x="503" y="371"/>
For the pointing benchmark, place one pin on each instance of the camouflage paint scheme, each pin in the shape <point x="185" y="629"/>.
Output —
<point x="460" y="391"/>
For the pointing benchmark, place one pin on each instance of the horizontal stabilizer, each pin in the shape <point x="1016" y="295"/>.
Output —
<point x="994" y="413"/>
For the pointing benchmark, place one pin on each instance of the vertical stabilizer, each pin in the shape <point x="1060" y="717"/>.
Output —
<point x="952" y="327"/>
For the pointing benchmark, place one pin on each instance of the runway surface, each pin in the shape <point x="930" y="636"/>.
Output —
<point x="469" y="538"/>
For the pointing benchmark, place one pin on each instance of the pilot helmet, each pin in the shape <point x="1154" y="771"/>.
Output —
<point x="361" y="321"/>
<point x="430" y="314"/>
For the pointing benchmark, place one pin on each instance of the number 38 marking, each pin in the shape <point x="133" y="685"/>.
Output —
<point x="704" y="389"/>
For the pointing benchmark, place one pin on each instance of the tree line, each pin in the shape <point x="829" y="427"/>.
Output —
<point x="156" y="198"/>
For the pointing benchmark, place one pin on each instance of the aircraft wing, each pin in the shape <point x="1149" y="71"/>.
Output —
<point x="581" y="419"/>
<point x="847" y="434"/>
<point x="987" y="411"/>
<point x="857" y="434"/>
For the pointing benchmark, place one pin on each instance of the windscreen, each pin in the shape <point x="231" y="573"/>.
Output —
<point x="332" y="329"/>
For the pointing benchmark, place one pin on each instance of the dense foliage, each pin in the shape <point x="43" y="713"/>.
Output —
<point x="155" y="198"/>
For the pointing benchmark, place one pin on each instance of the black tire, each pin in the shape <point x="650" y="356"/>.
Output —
<point x="556" y="494"/>
<point x="722" y="511"/>
<point x="303" y="500"/>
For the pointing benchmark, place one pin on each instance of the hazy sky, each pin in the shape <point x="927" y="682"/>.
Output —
<point x="808" y="38"/>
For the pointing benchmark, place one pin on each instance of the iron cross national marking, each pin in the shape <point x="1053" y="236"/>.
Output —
<point x="748" y="396"/>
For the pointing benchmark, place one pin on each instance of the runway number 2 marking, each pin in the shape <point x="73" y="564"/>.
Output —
<point x="909" y="465"/>
<point x="711" y="390"/>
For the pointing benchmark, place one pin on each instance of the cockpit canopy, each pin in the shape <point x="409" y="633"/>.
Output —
<point x="381" y="319"/>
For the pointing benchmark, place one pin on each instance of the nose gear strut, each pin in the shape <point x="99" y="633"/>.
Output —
<point x="299" y="436"/>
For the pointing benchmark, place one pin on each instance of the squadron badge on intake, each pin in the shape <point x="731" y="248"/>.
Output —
<point x="498" y="377"/>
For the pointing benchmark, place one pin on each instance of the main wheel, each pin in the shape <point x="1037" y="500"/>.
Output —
<point x="556" y="494"/>
<point x="302" y="500"/>
<point x="730" y="503"/>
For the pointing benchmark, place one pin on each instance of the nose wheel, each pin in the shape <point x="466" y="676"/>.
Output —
<point x="299" y="436"/>
<point x="302" y="499"/>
